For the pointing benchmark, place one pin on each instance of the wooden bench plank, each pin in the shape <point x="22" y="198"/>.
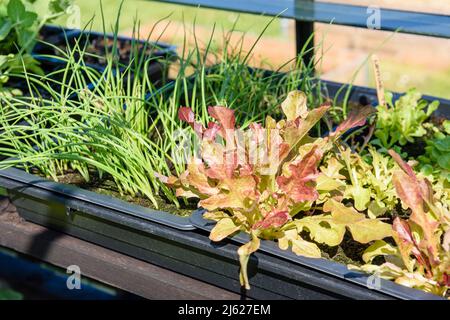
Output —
<point x="99" y="263"/>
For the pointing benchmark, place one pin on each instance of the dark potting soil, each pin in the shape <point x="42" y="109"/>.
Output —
<point x="49" y="34"/>
<point x="416" y="148"/>
<point x="106" y="186"/>
<point x="51" y="78"/>
<point x="30" y="90"/>
<point x="96" y="49"/>
<point x="351" y="251"/>
<point x="348" y="252"/>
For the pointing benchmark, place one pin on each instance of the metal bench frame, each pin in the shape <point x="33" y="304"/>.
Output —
<point x="307" y="12"/>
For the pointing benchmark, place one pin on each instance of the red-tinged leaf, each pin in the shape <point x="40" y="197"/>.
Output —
<point x="217" y="172"/>
<point x="299" y="191"/>
<point x="213" y="153"/>
<point x="402" y="233"/>
<point x="221" y="163"/>
<point x="403" y="165"/>
<point x="446" y="241"/>
<point x="187" y="115"/>
<point x="239" y="193"/>
<point x="255" y="126"/>
<point x="170" y="181"/>
<point x="414" y="192"/>
<point x="409" y="191"/>
<point x="211" y="132"/>
<point x="224" y="116"/>
<point x="274" y="219"/>
<point x="446" y="279"/>
<point x="162" y="178"/>
<point x="296" y="186"/>
<point x="406" y="244"/>
<point x="246" y="170"/>
<point x="197" y="178"/>
<point x="356" y="118"/>
<point x="280" y="154"/>
<point x="424" y="186"/>
<point x="295" y="131"/>
<point x="427" y="191"/>
<point x="220" y="172"/>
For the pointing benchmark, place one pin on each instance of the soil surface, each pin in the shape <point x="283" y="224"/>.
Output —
<point x="53" y="75"/>
<point x="96" y="49"/>
<point x="107" y="187"/>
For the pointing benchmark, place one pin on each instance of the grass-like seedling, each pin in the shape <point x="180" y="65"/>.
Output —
<point x="124" y="128"/>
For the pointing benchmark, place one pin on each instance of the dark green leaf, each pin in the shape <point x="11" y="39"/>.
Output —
<point x="5" y="28"/>
<point x="9" y="294"/>
<point x="28" y="19"/>
<point x="16" y="10"/>
<point x="443" y="144"/>
<point x="27" y="39"/>
<point x="57" y="6"/>
<point x="444" y="161"/>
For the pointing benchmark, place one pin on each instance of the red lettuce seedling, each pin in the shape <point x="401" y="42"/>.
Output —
<point x="259" y="179"/>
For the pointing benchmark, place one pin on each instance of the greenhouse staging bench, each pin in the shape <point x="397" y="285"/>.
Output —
<point x="106" y="266"/>
<point x="226" y="181"/>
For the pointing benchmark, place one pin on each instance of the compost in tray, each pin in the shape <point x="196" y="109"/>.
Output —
<point x="95" y="46"/>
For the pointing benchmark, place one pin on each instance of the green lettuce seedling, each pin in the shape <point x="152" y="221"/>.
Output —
<point x="421" y="257"/>
<point x="436" y="160"/>
<point x="400" y="122"/>
<point x="367" y="184"/>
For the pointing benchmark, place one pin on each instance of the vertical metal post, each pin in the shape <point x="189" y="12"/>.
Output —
<point x="304" y="30"/>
